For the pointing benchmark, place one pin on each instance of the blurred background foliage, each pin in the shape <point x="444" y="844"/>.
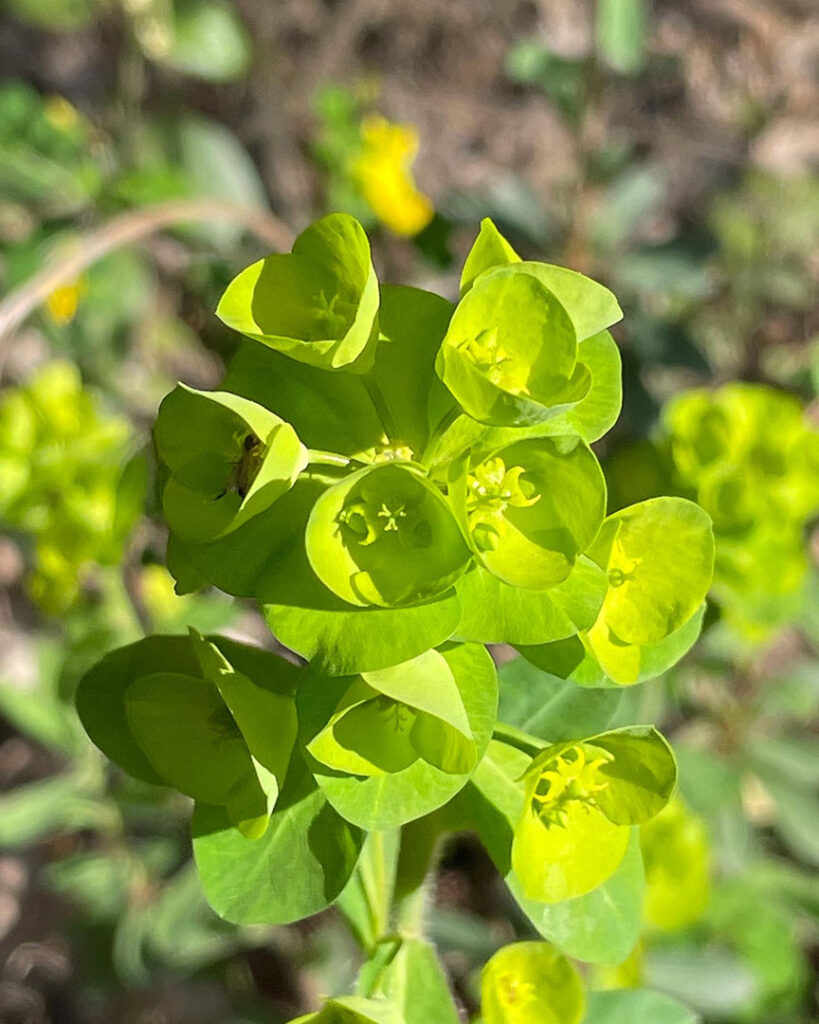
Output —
<point x="669" y="149"/>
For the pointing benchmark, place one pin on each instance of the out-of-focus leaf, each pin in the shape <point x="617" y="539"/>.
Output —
<point x="621" y="29"/>
<point x="637" y="1007"/>
<point x="208" y="40"/>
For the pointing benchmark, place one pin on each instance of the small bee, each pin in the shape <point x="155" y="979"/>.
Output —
<point x="245" y="468"/>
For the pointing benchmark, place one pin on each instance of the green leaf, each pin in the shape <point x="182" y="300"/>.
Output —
<point x="638" y="1006"/>
<point x="341" y="639"/>
<point x="621" y="32"/>
<point x="391" y="798"/>
<point x="266" y="718"/>
<point x="208" y="40"/>
<point x="318" y="304"/>
<point x="551" y="708"/>
<point x="603" y="926"/>
<point x="187" y="733"/>
<point x="531" y="508"/>
<point x="149" y="708"/>
<point x="572" y="659"/>
<point x="489" y="250"/>
<point x="246" y="881"/>
<point x="509" y="356"/>
<point x="329" y="411"/>
<point x="385" y="536"/>
<point x="531" y="983"/>
<point x="416" y="985"/>
<point x="247" y="561"/>
<point x="495" y="612"/>
<point x="412" y="325"/>
<point x="102" y="692"/>
<point x="229" y="459"/>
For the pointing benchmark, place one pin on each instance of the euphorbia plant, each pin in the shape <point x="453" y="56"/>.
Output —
<point x="399" y="482"/>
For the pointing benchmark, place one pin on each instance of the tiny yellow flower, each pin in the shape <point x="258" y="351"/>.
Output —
<point x="60" y="114"/>
<point x="383" y="172"/>
<point x="62" y="303"/>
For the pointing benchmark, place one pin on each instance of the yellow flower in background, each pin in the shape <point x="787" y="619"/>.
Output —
<point x="62" y="303"/>
<point x="383" y="172"/>
<point x="60" y="113"/>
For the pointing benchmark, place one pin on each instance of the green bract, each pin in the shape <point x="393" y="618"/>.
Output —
<point x="510" y="356"/>
<point x="435" y="493"/>
<point x="387" y="720"/>
<point x="228" y="460"/>
<point x="319" y="304"/>
<point x="531" y="508"/>
<point x="385" y="536"/>
<point x="392" y="745"/>
<point x="579" y="799"/>
<point x="531" y="983"/>
<point x="175" y="710"/>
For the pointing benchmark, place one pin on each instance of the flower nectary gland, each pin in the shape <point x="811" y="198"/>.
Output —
<point x="364" y="522"/>
<point x="570" y="778"/>
<point x="495" y="363"/>
<point x="490" y="489"/>
<point x="514" y="993"/>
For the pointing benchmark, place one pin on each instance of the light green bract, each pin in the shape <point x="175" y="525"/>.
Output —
<point x="580" y="799"/>
<point x="510" y="356"/>
<point x="531" y="983"/>
<point x="386" y="720"/>
<point x="319" y="304"/>
<point x="385" y="536"/>
<point x="530" y="509"/>
<point x="399" y="482"/>
<point x="228" y="458"/>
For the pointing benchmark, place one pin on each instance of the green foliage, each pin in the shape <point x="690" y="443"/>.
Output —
<point x="61" y="459"/>
<point x="750" y="457"/>
<point x="398" y="484"/>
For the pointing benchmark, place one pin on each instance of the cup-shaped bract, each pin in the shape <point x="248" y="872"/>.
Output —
<point x="385" y="536"/>
<point x="580" y="799"/>
<point x="176" y="711"/>
<point x="509" y="356"/>
<point x="318" y="303"/>
<point x="531" y="508"/>
<point x="228" y="459"/>
<point x="659" y="556"/>
<point x="387" y="720"/>
<point x="531" y="983"/>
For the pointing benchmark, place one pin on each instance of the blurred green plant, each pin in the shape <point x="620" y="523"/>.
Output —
<point x="64" y="486"/>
